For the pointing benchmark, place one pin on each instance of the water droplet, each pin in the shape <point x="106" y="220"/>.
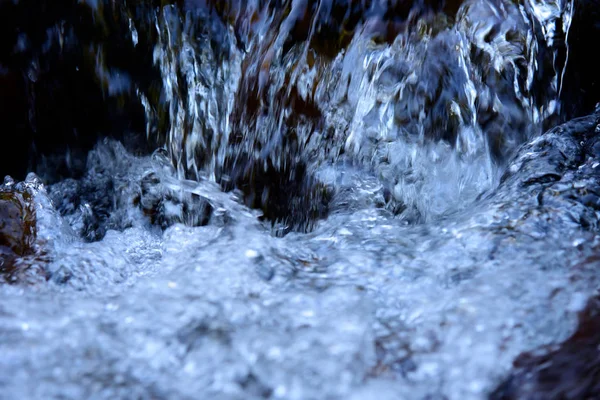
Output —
<point x="8" y="180"/>
<point x="250" y="253"/>
<point x="32" y="178"/>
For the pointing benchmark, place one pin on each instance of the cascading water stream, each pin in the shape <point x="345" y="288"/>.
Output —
<point x="433" y="112"/>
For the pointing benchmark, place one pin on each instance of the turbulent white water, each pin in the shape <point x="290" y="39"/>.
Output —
<point x="362" y="307"/>
<point x="427" y="278"/>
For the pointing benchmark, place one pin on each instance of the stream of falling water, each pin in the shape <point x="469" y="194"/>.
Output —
<point x="432" y="231"/>
<point x="433" y="109"/>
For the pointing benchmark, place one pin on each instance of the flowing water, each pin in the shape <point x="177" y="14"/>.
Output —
<point x="354" y="200"/>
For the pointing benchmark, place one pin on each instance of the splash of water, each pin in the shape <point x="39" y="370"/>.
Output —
<point x="431" y="101"/>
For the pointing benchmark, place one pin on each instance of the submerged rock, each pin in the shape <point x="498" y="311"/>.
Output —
<point x="166" y="207"/>
<point x="98" y="200"/>
<point x="119" y="190"/>
<point x="569" y="370"/>
<point x="554" y="181"/>
<point x="289" y="197"/>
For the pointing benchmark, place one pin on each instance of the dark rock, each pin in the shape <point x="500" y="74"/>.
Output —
<point x="555" y="175"/>
<point x="568" y="371"/>
<point x="549" y="157"/>
<point x="17" y="227"/>
<point x="166" y="207"/>
<point x="115" y="185"/>
<point x="289" y="197"/>
<point x="90" y="201"/>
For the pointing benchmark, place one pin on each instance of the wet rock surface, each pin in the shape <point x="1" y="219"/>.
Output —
<point x="568" y="370"/>
<point x="117" y="186"/>
<point x="17" y="226"/>
<point x="23" y="251"/>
